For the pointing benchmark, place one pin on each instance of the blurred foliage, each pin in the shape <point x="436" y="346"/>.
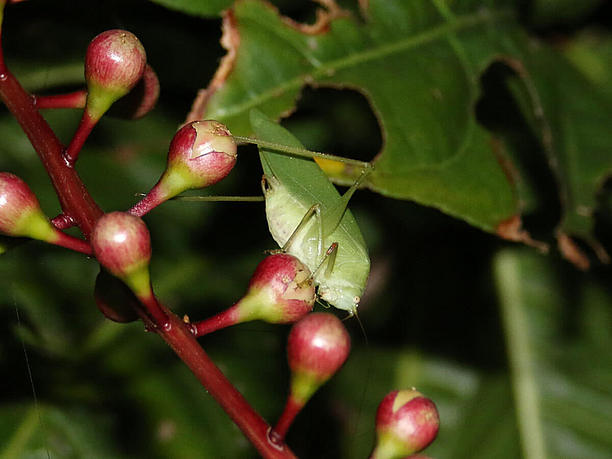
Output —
<point x="440" y="311"/>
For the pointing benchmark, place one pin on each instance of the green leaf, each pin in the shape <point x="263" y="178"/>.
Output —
<point x="573" y="132"/>
<point x="204" y="8"/>
<point x="40" y="431"/>
<point x="417" y="64"/>
<point x="561" y="378"/>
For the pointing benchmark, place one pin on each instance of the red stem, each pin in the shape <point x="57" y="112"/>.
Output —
<point x="74" y="99"/>
<point x="292" y="408"/>
<point x="72" y="243"/>
<point x="86" y="124"/>
<point x="179" y="337"/>
<point x="157" y="313"/>
<point x="63" y="221"/>
<point x="74" y="198"/>
<point x="224" y="319"/>
<point x="153" y="198"/>
<point x="78" y="205"/>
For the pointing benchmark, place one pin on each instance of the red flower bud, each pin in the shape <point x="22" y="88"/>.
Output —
<point x="201" y="154"/>
<point x="122" y="244"/>
<point x="205" y="152"/>
<point x="406" y="423"/>
<point x="284" y="288"/>
<point x="114" y="62"/>
<point x="318" y="345"/>
<point x="21" y="216"/>
<point x="280" y="291"/>
<point x="18" y="206"/>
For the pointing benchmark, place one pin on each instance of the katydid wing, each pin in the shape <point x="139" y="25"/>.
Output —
<point x="293" y="186"/>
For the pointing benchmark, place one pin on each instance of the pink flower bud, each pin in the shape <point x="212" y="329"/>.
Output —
<point x="203" y="152"/>
<point x="114" y="62"/>
<point x="284" y="288"/>
<point x="18" y="205"/>
<point x="122" y="244"/>
<point x="21" y="216"/>
<point x="318" y="345"/>
<point x="406" y="423"/>
<point x="280" y="291"/>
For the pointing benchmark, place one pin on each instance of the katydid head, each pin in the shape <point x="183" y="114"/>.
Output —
<point x="341" y="295"/>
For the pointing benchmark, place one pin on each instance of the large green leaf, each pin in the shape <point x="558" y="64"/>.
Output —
<point x="419" y="63"/>
<point x="560" y="371"/>
<point x="409" y="60"/>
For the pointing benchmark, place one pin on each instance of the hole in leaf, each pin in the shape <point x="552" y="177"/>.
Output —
<point x="505" y="109"/>
<point x="336" y="122"/>
<point x="302" y="12"/>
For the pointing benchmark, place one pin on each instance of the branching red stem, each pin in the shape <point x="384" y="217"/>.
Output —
<point x="78" y="206"/>
<point x="72" y="243"/>
<point x="292" y="408"/>
<point x="179" y="337"/>
<point x="224" y="319"/>
<point x="74" y="99"/>
<point x="74" y="198"/>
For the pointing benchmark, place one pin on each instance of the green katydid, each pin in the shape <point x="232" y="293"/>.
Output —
<point x="309" y="219"/>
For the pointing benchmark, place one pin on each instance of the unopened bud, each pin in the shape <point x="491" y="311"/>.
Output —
<point x="201" y="154"/>
<point x="317" y="347"/>
<point x="406" y="423"/>
<point x="122" y="244"/>
<point x="20" y="212"/>
<point x="114" y="63"/>
<point x="280" y="291"/>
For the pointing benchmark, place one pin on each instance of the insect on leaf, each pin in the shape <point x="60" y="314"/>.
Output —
<point x="293" y="186"/>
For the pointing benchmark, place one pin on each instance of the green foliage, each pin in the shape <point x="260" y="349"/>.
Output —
<point x="474" y="324"/>
<point x="196" y="7"/>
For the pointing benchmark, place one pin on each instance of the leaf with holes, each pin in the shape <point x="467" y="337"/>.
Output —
<point x="419" y="65"/>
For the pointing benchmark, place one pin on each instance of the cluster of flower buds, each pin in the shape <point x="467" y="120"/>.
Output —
<point x="281" y="289"/>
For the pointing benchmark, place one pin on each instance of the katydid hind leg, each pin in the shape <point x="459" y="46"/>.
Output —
<point x="332" y="216"/>
<point x="329" y="258"/>
<point x="315" y="210"/>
